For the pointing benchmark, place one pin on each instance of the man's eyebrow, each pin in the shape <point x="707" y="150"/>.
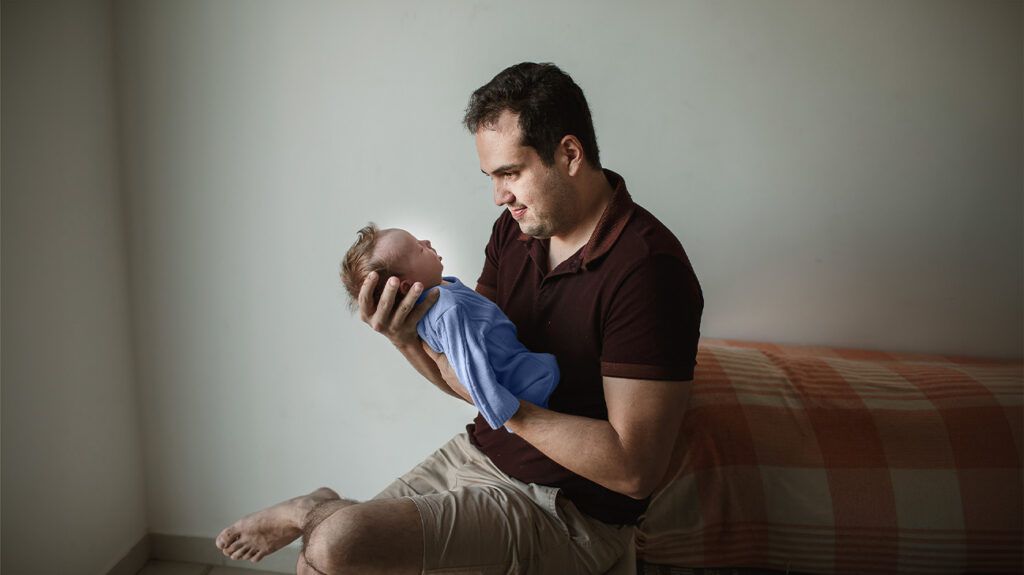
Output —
<point x="503" y="169"/>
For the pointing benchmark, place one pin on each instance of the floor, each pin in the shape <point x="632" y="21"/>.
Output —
<point x="154" y="567"/>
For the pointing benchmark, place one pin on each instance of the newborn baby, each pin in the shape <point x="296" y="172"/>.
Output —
<point x="477" y="338"/>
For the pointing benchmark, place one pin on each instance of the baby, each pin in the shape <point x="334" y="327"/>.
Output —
<point x="477" y="338"/>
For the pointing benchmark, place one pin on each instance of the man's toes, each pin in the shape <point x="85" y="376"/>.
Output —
<point x="226" y="537"/>
<point x="235" y="547"/>
<point x="252" y="553"/>
<point x="237" y="555"/>
<point x="259" y="555"/>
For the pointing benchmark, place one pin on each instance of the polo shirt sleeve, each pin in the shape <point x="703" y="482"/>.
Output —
<point x="652" y="324"/>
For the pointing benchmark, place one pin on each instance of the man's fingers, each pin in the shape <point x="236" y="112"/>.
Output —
<point x="387" y="299"/>
<point x="427" y="303"/>
<point x="406" y="306"/>
<point x="366" y="309"/>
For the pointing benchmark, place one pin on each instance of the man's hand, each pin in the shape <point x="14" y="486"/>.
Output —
<point x="448" y="373"/>
<point x="398" y="325"/>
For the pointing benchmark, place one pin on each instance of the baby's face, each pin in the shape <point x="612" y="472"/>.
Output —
<point x="418" y="261"/>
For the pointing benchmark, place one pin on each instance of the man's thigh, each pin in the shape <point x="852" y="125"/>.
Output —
<point x="434" y="474"/>
<point x="489" y="530"/>
<point x="476" y="519"/>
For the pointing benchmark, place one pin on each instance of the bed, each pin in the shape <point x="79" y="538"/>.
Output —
<point x="808" y="459"/>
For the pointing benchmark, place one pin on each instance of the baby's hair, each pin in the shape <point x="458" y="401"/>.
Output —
<point x="360" y="261"/>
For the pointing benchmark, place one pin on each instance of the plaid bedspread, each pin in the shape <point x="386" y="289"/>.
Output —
<point x="823" y="460"/>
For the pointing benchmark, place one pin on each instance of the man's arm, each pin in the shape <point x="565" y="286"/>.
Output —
<point x="422" y="363"/>
<point x="630" y="452"/>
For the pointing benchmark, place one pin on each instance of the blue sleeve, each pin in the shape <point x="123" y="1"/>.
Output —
<point x="466" y="350"/>
<point x="426" y="328"/>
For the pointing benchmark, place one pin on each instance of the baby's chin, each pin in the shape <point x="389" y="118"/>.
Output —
<point x="431" y="281"/>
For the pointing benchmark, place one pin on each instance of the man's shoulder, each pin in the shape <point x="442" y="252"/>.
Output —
<point x="647" y="228"/>
<point x="645" y="237"/>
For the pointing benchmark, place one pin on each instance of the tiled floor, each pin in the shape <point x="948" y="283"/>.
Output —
<point x="155" y="567"/>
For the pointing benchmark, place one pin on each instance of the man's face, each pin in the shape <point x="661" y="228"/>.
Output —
<point x="539" y="197"/>
<point x="415" y="258"/>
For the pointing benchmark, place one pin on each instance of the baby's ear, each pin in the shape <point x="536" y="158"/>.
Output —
<point x="405" y="286"/>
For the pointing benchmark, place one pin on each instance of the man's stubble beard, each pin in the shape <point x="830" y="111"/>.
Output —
<point x="558" y="215"/>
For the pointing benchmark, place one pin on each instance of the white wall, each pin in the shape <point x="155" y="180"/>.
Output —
<point x="843" y="173"/>
<point x="73" y="499"/>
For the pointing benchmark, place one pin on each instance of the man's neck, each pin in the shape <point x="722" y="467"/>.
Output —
<point x="595" y="195"/>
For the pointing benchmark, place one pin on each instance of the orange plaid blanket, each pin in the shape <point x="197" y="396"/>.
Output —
<point x="824" y="460"/>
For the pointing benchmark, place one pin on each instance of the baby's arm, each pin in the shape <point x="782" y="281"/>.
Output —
<point x="466" y="349"/>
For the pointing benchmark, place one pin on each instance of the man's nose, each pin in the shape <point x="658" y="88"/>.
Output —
<point x="501" y="194"/>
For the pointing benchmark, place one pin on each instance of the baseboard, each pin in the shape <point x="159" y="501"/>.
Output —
<point x="200" y="550"/>
<point x="134" y="560"/>
<point x="203" y="550"/>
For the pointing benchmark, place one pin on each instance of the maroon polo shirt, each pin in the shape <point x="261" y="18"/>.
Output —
<point x="627" y="304"/>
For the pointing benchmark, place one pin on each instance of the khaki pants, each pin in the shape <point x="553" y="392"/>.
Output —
<point x="476" y="519"/>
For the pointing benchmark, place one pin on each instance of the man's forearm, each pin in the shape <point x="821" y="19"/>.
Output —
<point x="422" y="363"/>
<point x="587" y="447"/>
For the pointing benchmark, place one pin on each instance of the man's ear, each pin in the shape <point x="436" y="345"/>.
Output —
<point x="571" y="151"/>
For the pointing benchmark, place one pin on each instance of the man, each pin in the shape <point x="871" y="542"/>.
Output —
<point x="585" y="274"/>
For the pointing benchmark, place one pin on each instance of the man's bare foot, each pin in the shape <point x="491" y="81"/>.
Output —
<point x="259" y="534"/>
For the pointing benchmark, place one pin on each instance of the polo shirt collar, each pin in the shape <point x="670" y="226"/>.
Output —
<point x="614" y="219"/>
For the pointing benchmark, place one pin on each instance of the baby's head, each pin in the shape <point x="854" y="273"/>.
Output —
<point x="390" y="252"/>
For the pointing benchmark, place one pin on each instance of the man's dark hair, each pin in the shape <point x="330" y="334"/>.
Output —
<point x="549" y="104"/>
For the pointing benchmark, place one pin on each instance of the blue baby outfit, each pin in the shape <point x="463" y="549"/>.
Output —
<point x="481" y="345"/>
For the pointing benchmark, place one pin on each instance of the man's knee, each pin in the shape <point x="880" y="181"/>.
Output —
<point x="316" y="516"/>
<point x="303" y="568"/>
<point x="340" y="542"/>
